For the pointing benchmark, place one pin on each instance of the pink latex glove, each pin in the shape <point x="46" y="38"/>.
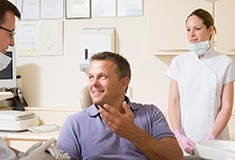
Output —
<point x="210" y="137"/>
<point x="185" y="143"/>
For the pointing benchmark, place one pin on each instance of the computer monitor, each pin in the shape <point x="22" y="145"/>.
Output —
<point x="8" y="75"/>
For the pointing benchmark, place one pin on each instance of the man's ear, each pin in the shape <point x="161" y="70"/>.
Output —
<point x="125" y="82"/>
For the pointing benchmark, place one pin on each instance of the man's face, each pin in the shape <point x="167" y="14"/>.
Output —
<point x="105" y="86"/>
<point x="6" y="37"/>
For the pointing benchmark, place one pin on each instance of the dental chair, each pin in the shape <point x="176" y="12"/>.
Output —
<point x="85" y="98"/>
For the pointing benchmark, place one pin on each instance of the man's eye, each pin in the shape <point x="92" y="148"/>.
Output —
<point x="103" y="77"/>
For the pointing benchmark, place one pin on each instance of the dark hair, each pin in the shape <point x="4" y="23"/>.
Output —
<point x="205" y="16"/>
<point x="6" y="6"/>
<point x="123" y="66"/>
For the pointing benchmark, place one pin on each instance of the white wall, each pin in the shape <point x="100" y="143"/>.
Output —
<point x="56" y="81"/>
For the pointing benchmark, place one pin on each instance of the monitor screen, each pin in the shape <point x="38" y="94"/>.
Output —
<point x="8" y="75"/>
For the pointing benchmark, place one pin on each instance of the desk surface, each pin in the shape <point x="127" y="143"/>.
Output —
<point x="29" y="135"/>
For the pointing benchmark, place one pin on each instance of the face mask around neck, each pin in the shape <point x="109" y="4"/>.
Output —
<point x="4" y="61"/>
<point x="199" y="48"/>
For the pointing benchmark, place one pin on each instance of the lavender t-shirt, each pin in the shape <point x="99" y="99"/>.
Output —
<point x="85" y="136"/>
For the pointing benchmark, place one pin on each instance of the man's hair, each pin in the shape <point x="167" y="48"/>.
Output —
<point x="122" y="65"/>
<point x="6" y="6"/>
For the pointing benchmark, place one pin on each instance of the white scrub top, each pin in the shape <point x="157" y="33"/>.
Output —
<point x="5" y="152"/>
<point x="200" y="83"/>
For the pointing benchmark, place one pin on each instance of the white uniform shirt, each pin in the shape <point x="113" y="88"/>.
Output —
<point x="200" y="83"/>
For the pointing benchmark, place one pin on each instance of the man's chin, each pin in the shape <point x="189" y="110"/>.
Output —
<point x="96" y="99"/>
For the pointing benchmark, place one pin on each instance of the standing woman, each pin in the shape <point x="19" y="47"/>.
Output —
<point x="201" y="86"/>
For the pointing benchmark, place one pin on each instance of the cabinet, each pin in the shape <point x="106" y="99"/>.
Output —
<point x="166" y="24"/>
<point x="225" y="24"/>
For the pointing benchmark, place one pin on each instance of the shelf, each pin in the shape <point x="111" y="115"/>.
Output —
<point x="174" y="52"/>
<point x="230" y="52"/>
<point x="180" y="51"/>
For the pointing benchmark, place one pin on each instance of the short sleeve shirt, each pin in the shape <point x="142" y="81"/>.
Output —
<point x="200" y="84"/>
<point x="85" y="136"/>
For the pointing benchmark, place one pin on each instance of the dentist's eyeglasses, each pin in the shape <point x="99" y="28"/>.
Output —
<point x="12" y="33"/>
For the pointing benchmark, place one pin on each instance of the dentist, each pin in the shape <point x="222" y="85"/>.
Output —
<point x="201" y="86"/>
<point x="39" y="151"/>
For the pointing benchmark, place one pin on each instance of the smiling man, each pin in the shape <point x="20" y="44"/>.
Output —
<point x="114" y="127"/>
